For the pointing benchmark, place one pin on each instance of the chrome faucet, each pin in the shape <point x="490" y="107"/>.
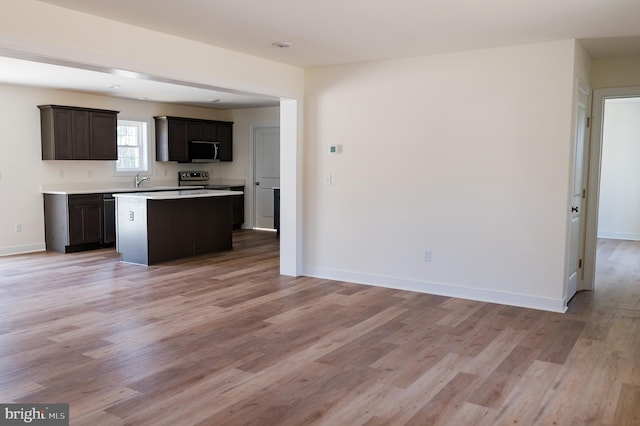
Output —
<point x="139" y="181"/>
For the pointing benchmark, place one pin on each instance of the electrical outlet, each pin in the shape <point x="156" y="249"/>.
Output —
<point x="18" y="227"/>
<point x="327" y="180"/>
<point x="61" y="173"/>
<point x="130" y="216"/>
<point x="89" y="173"/>
<point x="427" y="256"/>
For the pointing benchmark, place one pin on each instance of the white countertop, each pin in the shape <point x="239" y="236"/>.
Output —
<point x="112" y="188"/>
<point x="103" y="188"/>
<point x="183" y="193"/>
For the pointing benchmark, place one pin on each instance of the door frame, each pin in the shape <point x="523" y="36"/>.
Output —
<point x="252" y="167"/>
<point x="595" y="164"/>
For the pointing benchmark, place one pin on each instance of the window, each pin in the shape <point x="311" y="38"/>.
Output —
<point x="132" y="146"/>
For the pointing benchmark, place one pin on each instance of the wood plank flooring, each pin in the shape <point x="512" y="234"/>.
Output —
<point x="223" y="339"/>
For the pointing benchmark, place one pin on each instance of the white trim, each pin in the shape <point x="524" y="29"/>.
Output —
<point x="595" y="162"/>
<point x="30" y="248"/>
<point x="145" y="148"/>
<point x="489" y="296"/>
<point x="619" y="235"/>
<point x="291" y="179"/>
<point x="265" y="229"/>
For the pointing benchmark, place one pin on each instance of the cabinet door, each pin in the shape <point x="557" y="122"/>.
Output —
<point x="57" y="133"/>
<point x="85" y="219"/>
<point x="209" y="131"/>
<point x="62" y="140"/>
<point x="202" y="131"/>
<point x="225" y="137"/>
<point x="93" y="215"/>
<point x="80" y="135"/>
<point x="194" y="131"/>
<point x="104" y="145"/>
<point x="177" y="141"/>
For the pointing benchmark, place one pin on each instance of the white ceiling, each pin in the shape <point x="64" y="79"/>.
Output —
<point x="329" y="32"/>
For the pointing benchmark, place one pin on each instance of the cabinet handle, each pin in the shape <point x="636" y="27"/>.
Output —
<point x="574" y="209"/>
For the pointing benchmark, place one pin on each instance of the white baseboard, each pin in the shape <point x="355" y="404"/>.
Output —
<point x="619" y="235"/>
<point x="490" y="296"/>
<point x="31" y="248"/>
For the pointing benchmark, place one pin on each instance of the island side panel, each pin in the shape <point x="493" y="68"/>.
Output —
<point x="131" y="230"/>
<point x="56" y="220"/>
<point x="170" y="229"/>
<point x="213" y="224"/>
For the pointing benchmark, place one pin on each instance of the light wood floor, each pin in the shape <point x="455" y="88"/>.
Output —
<point x="224" y="340"/>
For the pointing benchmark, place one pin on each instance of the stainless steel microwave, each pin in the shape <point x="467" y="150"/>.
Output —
<point x="204" y="151"/>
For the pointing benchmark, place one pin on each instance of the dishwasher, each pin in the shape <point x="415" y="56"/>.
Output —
<point x="108" y="220"/>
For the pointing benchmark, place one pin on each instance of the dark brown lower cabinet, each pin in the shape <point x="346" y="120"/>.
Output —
<point x="73" y="222"/>
<point x="276" y="210"/>
<point x="238" y="207"/>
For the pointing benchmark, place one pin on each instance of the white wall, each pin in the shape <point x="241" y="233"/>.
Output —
<point x="244" y="120"/>
<point x="615" y="72"/>
<point x="583" y="64"/>
<point x="22" y="170"/>
<point x="466" y="155"/>
<point x="619" y="209"/>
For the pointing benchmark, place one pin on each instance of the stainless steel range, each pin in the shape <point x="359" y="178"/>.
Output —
<point x="198" y="178"/>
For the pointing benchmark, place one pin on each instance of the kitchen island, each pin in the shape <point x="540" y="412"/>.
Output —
<point x="153" y="227"/>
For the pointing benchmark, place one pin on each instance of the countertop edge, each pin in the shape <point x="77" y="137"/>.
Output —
<point x="179" y="194"/>
<point x="110" y="190"/>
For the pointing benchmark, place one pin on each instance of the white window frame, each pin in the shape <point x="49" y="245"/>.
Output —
<point x="143" y="147"/>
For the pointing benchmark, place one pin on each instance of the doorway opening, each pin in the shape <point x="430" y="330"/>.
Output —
<point x="613" y="179"/>
<point x="265" y="144"/>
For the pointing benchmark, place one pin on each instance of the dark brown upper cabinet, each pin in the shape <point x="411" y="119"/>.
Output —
<point x="172" y="143"/>
<point x="224" y="132"/>
<point x="173" y="135"/>
<point x="75" y="133"/>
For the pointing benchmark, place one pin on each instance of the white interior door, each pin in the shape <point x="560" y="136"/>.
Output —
<point x="579" y="192"/>
<point x="266" y="152"/>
